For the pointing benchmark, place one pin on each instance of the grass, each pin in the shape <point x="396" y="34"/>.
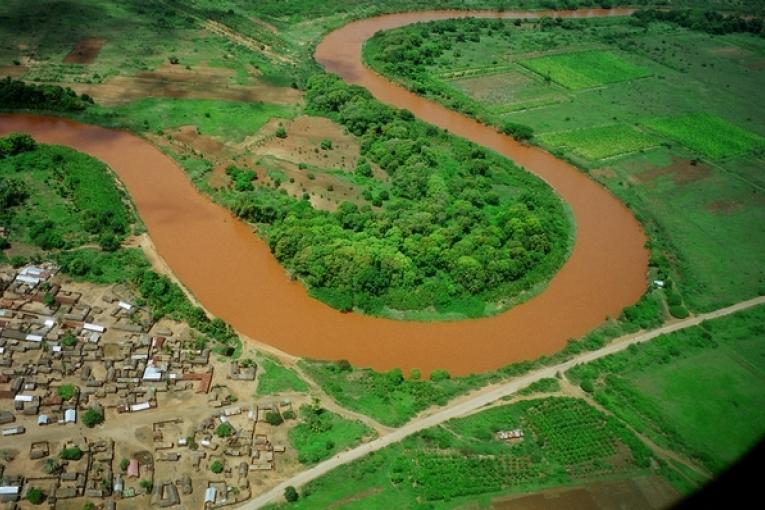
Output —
<point x="275" y="378"/>
<point x="321" y="434"/>
<point x="566" y="441"/>
<point x="688" y="390"/>
<point x="585" y="69"/>
<point x="708" y="135"/>
<point x="232" y="120"/>
<point x="387" y="397"/>
<point x="601" y="142"/>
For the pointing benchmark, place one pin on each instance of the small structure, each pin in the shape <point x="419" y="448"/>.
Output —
<point x="133" y="468"/>
<point x="509" y="435"/>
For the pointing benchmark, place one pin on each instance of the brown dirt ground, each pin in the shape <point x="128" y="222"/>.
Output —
<point x="639" y="494"/>
<point x="304" y="134"/>
<point x="605" y="173"/>
<point x="85" y="51"/>
<point x="13" y="71"/>
<point x="200" y="82"/>
<point x="681" y="170"/>
<point x="725" y="206"/>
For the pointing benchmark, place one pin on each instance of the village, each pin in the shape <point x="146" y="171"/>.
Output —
<point x="103" y="407"/>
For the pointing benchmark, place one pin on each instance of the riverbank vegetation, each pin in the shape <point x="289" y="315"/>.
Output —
<point x="665" y="117"/>
<point x="564" y="441"/>
<point x="274" y="378"/>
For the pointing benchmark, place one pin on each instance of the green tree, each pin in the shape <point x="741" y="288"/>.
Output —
<point x="71" y="453"/>
<point x="291" y="494"/>
<point x="66" y="391"/>
<point x="217" y="467"/>
<point x="224" y="430"/>
<point x="274" y="418"/>
<point x="35" y="496"/>
<point x="92" y="417"/>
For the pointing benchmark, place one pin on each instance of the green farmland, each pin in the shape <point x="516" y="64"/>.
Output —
<point x="585" y="69"/>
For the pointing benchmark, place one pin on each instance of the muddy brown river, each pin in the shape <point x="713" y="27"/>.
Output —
<point x="233" y="274"/>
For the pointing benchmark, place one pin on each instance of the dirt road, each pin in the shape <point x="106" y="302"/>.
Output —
<point x="481" y="398"/>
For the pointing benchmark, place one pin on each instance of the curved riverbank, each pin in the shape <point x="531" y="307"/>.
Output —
<point x="233" y="274"/>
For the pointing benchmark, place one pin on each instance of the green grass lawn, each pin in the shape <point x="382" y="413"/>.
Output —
<point x="601" y="142"/>
<point x="707" y="134"/>
<point x="231" y="120"/>
<point x="585" y="69"/>
<point x="697" y="391"/>
<point x="275" y="378"/>
<point x="321" y="434"/>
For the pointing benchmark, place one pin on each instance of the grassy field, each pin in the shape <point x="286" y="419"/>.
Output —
<point x="711" y="136"/>
<point x="232" y="120"/>
<point x="601" y="142"/>
<point x="585" y="69"/>
<point x="274" y="378"/>
<point x="565" y="441"/>
<point x="321" y="434"/>
<point x="695" y="391"/>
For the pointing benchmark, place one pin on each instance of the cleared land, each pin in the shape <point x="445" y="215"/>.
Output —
<point x="601" y="142"/>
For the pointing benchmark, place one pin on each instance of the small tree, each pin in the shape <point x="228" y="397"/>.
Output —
<point x="89" y="506"/>
<point x="281" y="132"/>
<point x="92" y="417"/>
<point x="224" y="430"/>
<point x="326" y="144"/>
<point x="51" y="466"/>
<point x="216" y="467"/>
<point x="71" y="453"/>
<point x="69" y="339"/>
<point x="146" y="485"/>
<point x="66" y="391"/>
<point x="124" y="463"/>
<point x="35" y="495"/>
<point x="291" y="494"/>
<point x="49" y="300"/>
<point x="274" y="418"/>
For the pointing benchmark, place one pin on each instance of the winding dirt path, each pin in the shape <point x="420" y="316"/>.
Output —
<point x="233" y="274"/>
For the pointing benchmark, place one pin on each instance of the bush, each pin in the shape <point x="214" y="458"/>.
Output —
<point x="35" y="495"/>
<point x="71" y="453"/>
<point x="224" y="430"/>
<point x="124" y="463"/>
<point x="678" y="311"/>
<point x="326" y="144"/>
<point x="587" y="386"/>
<point x="146" y="485"/>
<point x="520" y="132"/>
<point x="274" y="418"/>
<point x="216" y="467"/>
<point x="92" y="417"/>
<point x="66" y="391"/>
<point x="281" y="132"/>
<point x="439" y="375"/>
<point x="291" y="494"/>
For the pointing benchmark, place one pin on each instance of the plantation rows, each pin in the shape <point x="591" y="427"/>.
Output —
<point x="448" y="476"/>
<point x="570" y="431"/>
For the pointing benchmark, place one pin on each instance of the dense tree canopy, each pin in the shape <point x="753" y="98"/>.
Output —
<point x="458" y="224"/>
<point x="16" y="94"/>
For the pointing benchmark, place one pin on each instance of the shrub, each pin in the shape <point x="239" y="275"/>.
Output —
<point x="281" y="132"/>
<point x="124" y="463"/>
<point x="216" y="467"/>
<point x="35" y="495"/>
<point x="69" y="340"/>
<point x="587" y="386"/>
<point x="224" y="430"/>
<point x="326" y="144"/>
<point x="439" y="375"/>
<point x="520" y="132"/>
<point x="274" y="418"/>
<point x="678" y="311"/>
<point x="291" y="494"/>
<point x="146" y="485"/>
<point x="92" y="417"/>
<point x="71" y="453"/>
<point x="66" y="391"/>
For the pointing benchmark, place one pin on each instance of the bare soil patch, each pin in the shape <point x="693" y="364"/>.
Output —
<point x="201" y="82"/>
<point x="725" y="206"/>
<point x="302" y="145"/>
<point x="86" y="50"/>
<point x="13" y="71"/>
<point x="640" y="494"/>
<point x="604" y="173"/>
<point x="683" y="171"/>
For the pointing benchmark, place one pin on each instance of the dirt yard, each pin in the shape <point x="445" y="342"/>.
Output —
<point x="86" y="50"/>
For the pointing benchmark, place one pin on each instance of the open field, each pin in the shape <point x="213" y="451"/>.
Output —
<point x="711" y="136"/>
<point x="585" y="69"/>
<point x="601" y="142"/>
<point x="697" y="391"/>
<point x="278" y="379"/>
<point x="321" y="434"/>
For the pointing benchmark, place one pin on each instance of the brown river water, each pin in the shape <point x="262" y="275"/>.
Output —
<point x="233" y="274"/>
